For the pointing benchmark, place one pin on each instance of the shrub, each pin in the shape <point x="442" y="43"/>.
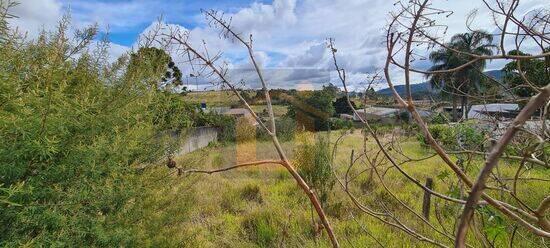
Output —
<point x="317" y="106"/>
<point x="403" y="116"/>
<point x="439" y="118"/>
<point x="341" y="106"/>
<point x="337" y="123"/>
<point x="313" y="163"/>
<point x="231" y="202"/>
<point x="455" y="137"/>
<point x="244" y="130"/>
<point x="73" y="131"/>
<point x="469" y="137"/>
<point x="444" y="134"/>
<point x="225" y="124"/>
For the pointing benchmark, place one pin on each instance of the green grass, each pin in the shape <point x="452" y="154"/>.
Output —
<point x="262" y="206"/>
<point x="227" y="99"/>
<point x="278" y="110"/>
<point x="212" y="98"/>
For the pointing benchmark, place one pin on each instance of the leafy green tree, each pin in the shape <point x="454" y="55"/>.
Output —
<point x="536" y="70"/>
<point x="156" y="68"/>
<point x="317" y="106"/>
<point x="341" y="106"/>
<point x="467" y="80"/>
<point x="331" y="90"/>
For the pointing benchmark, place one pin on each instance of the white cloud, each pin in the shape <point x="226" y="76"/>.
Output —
<point x="35" y="15"/>
<point x="289" y="35"/>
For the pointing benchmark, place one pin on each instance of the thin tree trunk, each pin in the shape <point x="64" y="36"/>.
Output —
<point x="464" y="107"/>
<point x="454" y="119"/>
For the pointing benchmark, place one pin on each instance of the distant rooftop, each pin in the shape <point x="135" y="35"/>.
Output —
<point x="379" y="111"/>
<point x="486" y="111"/>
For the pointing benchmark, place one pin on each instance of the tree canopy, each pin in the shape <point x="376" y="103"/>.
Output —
<point x="535" y="70"/>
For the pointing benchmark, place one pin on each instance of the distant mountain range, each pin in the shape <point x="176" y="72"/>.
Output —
<point x="425" y="87"/>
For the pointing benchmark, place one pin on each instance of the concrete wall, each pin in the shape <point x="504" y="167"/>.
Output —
<point x="198" y="138"/>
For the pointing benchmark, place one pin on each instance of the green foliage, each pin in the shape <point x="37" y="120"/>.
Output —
<point x="341" y="106"/>
<point x="171" y="112"/>
<point x="456" y="137"/>
<point x="244" y="129"/>
<point x="495" y="226"/>
<point x="286" y="129"/>
<point x="261" y="228"/>
<point x="317" y="105"/>
<point x="404" y="116"/>
<point x="73" y="131"/>
<point x="312" y="158"/>
<point x="337" y="124"/>
<point x="468" y="80"/>
<point x="439" y="118"/>
<point x="535" y="70"/>
<point x="162" y="73"/>
<point x="225" y="124"/>
<point x="252" y="192"/>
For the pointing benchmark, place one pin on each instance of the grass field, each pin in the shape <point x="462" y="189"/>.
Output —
<point x="278" y="110"/>
<point x="263" y="207"/>
<point x="227" y="99"/>
<point x="212" y="98"/>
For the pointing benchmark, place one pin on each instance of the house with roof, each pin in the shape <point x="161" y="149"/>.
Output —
<point x="387" y="115"/>
<point x="378" y="114"/>
<point x="493" y="111"/>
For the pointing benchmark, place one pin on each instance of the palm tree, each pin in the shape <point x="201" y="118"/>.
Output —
<point x="444" y="59"/>
<point x="467" y="80"/>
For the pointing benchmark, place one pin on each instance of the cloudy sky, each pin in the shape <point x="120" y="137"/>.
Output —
<point x="290" y="35"/>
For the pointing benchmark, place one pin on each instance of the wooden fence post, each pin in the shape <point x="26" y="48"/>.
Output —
<point x="426" y="200"/>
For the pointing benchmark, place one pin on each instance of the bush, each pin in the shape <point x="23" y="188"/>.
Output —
<point x="225" y="124"/>
<point x="456" y="137"/>
<point x="444" y="134"/>
<point x="73" y="131"/>
<point x="244" y="130"/>
<point x="317" y="106"/>
<point x="337" y="123"/>
<point x="439" y="118"/>
<point x="403" y="116"/>
<point x="313" y="157"/>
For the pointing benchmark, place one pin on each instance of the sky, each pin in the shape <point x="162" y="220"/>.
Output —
<point x="289" y="35"/>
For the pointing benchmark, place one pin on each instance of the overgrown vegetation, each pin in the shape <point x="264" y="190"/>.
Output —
<point x="83" y="138"/>
<point x="316" y="108"/>
<point x="460" y="136"/>
<point x="75" y="130"/>
<point x="312" y="157"/>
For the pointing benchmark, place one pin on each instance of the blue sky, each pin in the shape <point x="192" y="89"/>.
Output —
<point x="289" y="35"/>
<point x="185" y="13"/>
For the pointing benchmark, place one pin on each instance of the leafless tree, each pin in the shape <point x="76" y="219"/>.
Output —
<point x="210" y="66"/>
<point x="413" y="28"/>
